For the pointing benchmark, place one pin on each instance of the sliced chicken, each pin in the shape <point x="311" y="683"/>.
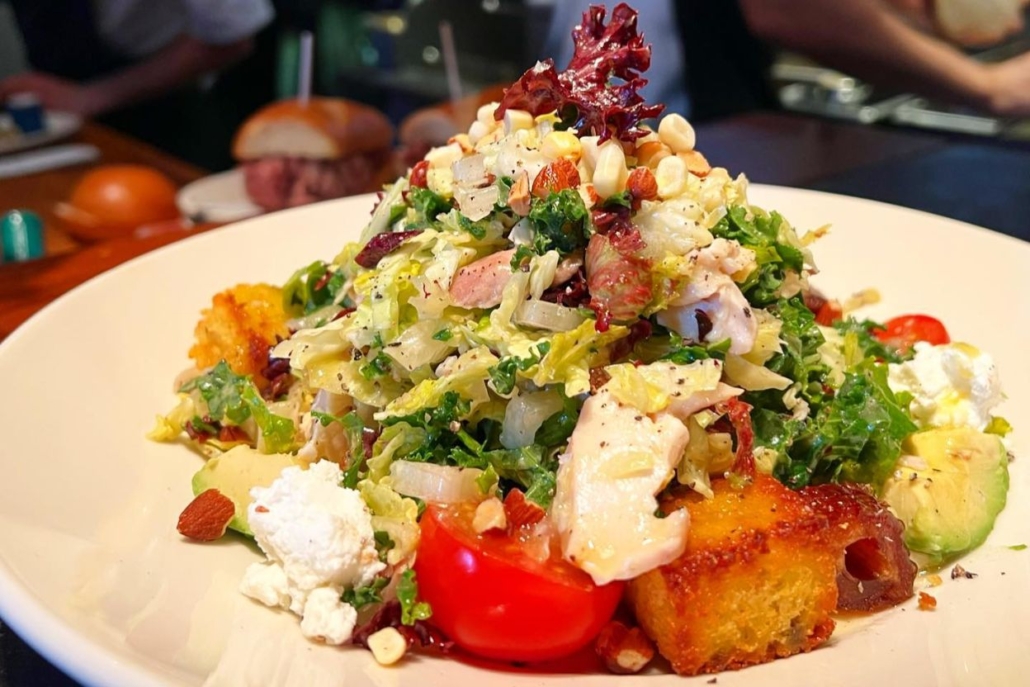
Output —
<point x="481" y="283"/>
<point x="604" y="505"/>
<point x="711" y="306"/>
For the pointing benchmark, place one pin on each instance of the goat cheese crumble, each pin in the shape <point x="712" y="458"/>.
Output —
<point x="319" y="541"/>
<point x="951" y="384"/>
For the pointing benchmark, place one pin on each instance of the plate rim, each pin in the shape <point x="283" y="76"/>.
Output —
<point x="89" y="662"/>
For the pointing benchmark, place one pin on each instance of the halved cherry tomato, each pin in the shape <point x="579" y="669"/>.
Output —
<point x="495" y="600"/>
<point x="904" y="331"/>
<point x="828" y="313"/>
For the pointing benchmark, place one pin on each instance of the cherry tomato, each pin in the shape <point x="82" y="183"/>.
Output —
<point x="902" y="332"/>
<point x="495" y="600"/>
<point x="828" y="313"/>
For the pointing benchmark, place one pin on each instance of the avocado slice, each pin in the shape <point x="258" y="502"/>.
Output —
<point x="235" y="472"/>
<point x="948" y="488"/>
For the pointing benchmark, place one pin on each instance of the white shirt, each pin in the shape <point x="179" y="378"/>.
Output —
<point x="667" y="83"/>
<point x="137" y="28"/>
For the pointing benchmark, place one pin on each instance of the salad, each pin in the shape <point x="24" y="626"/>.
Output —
<point x="569" y="389"/>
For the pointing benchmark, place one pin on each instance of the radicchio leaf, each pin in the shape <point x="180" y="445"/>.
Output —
<point x="584" y="92"/>
<point x="381" y="245"/>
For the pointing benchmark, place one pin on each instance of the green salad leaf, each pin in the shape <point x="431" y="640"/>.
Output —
<point x="860" y="342"/>
<point x="311" y="288"/>
<point x="412" y="609"/>
<point x="775" y="257"/>
<point x="359" y="597"/>
<point x="234" y="397"/>
<point x="560" y="222"/>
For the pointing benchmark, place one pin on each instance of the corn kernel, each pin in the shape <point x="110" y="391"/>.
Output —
<point x="516" y="120"/>
<point x="440" y="180"/>
<point x="463" y="140"/>
<point x="444" y="156"/>
<point x="387" y="646"/>
<point x="561" y="144"/>
<point x="677" y="133"/>
<point x="610" y="172"/>
<point x="647" y="138"/>
<point x="489" y="516"/>
<point x="485" y="115"/>
<point x="671" y="175"/>
<point x="477" y="131"/>
<point x="590" y="151"/>
<point x="651" y="153"/>
<point x="586" y="172"/>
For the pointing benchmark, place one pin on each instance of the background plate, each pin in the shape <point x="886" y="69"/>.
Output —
<point x="220" y="197"/>
<point x="93" y="574"/>
<point x="58" y="125"/>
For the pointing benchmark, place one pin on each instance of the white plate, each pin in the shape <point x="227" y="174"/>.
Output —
<point x="93" y="574"/>
<point x="220" y="197"/>
<point x="57" y="125"/>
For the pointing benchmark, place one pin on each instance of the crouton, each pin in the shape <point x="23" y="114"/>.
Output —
<point x="763" y="570"/>
<point x="757" y="581"/>
<point x="239" y="327"/>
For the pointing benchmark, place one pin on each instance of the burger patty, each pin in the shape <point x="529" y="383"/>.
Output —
<point x="281" y="182"/>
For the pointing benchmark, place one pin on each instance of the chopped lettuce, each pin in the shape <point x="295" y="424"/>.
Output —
<point x="573" y="353"/>
<point x="311" y="288"/>
<point x="560" y="222"/>
<point x="651" y="388"/>
<point x="234" y="397"/>
<point x="859" y="342"/>
<point x="412" y="609"/>
<point x="776" y="248"/>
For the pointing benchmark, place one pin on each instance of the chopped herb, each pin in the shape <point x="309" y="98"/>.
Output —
<point x="359" y="597"/>
<point x="1018" y="547"/>
<point x="311" y="288"/>
<point x="412" y="609"/>
<point x="376" y="367"/>
<point x="560" y="222"/>
<point x="428" y="206"/>
<point x="775" y="257"/>
<point x="383" y="544"/>
<point x="624" y="199"/>
<point x="860" y="343"/>
<point x="487" y="480"/>
<point x="504" y="372"/>
<point x="520" y="260"/>
<point x="504" y="185"/>
<point x="354" y="429"/>
<point x="477" y="229"/>
<point x="556" y="430"/>
<point x="443" y="335"/>
<point x="234" y="397"/>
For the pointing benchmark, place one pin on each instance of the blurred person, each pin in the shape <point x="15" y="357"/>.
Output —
<point x="149" y="65"/>
<point x="712" y="58"/>
<point x="883" y="43"/>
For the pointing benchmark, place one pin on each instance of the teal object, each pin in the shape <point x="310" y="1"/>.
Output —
<point x="21" y="235"/>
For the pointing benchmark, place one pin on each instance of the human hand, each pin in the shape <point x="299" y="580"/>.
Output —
<point x="1008" y="87"/>
<point x="55" y="93"/>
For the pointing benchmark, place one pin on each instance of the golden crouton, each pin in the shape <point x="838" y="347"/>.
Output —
<point x="762" y="570"/>
<point x="239" y="327"/>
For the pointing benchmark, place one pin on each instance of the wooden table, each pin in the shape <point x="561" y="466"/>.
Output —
<point x="39" y="192"/>
<point x="26" y="287"/>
